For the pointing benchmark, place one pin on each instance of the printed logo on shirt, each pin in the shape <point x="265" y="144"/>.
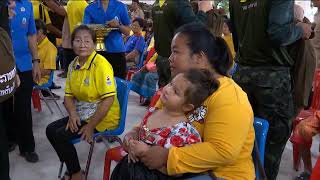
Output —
<point x="109" y="83"/>
<point x="86" y="81"/>
<point x="22" y="9"/>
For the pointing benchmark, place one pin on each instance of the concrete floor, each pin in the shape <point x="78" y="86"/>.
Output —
<point x="48" y="165"/>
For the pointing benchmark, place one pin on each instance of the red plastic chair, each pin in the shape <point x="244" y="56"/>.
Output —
<point x="113" y="154"/>
<point x="36" y="100"/>
<point x="315" y="175"/>
<point x="315" y="105"/>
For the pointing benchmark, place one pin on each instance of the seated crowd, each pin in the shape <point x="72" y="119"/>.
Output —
<point x="207" y="75"/>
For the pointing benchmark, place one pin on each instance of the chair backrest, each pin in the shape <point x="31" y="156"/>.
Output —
<point x="123" y="90"/>
<point x="315" y="103"/>
<point x="48" y="84"/>
<point x="261" y="127"/>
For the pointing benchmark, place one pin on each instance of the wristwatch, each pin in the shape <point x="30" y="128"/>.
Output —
<point x="35" y="60"/>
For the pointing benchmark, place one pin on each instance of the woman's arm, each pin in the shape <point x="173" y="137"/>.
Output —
<point x="132" y="55"/>
<point x="101" y="112"/>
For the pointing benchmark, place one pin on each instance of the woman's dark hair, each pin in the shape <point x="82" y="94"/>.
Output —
<point x="140" y="22"/>
<point x="200" y="39"/>
<point x="40" y="25"/>
<point x="202" y="86"/>
<point x="228" y="23"/>
<point x="83" y="28"/>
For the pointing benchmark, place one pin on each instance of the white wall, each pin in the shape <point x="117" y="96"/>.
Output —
<point x="308" y="11"/>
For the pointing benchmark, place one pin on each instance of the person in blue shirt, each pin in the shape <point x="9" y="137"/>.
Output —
<point x="24" y="41"/>
<point x="135" y="44"/>
<point x="112" y="13"/>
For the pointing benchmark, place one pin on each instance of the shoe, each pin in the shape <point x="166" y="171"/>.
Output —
<point x="11" y="147"/>
<point x="54" y="86"/>
<point x="30" y="156"/>
<point x="48" y="96"/>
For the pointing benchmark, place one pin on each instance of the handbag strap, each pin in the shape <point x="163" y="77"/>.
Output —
<point x="258" y="163"/>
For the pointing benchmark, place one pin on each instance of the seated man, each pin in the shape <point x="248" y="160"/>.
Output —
<point x="47" y="54"/>
<point x="135" y="43"/>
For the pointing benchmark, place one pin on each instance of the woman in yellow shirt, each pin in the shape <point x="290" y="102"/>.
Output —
<point x="90" y="99"/>
<point x="227" y="130"/>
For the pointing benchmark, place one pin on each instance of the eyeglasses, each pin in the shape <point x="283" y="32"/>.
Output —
<point x="85" y="42"/>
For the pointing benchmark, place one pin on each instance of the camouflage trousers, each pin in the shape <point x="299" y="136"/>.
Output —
<point x="270" y="94"/>
<point x="163" y="69"/>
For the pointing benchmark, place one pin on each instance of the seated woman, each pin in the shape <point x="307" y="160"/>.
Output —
<point x="144" y="82"/>
<point x="169" y="126"/>
<point x="90" y="99"/>
<point x="135" y="43"/>
<point x="227" y="130"/>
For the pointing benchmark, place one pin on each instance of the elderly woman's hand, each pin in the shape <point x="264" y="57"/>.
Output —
<point x="131" y="135"/>
<point x="73" y="123"/>
<point x="87" y="133"/>
<point x="155" y="157"/>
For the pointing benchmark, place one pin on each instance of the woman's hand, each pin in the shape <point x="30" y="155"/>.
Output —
<point x="131" y="135"/>
<point x="73" y="123"/>
<point x="155" y="157"/>
<point x="138" y="147"/>
<point x="87" y="133"/>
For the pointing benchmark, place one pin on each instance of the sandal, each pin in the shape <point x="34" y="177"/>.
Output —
<point x="303" y="176"/>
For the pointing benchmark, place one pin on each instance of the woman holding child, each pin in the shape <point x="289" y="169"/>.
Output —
<point x="226" y="130"/>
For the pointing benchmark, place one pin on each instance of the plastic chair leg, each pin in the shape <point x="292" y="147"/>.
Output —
<point x="296" y="157"/>
<point x="107" y="164"/>
<point x="36" y="100"/>
<point x="89" y="160"/>
<point x="54" y="100"/>
<point x="60" y="170"/>
<point x="45" y="101"/>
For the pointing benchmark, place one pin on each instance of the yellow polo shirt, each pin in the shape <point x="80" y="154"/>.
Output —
<point x="36" y="12"/>
<point x="228" y="137"/>
<point x="93" y="82"/>
<point x="75" y="11"/>
<point x="47" y="53"/>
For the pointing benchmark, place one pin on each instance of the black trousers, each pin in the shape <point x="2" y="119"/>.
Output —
<point x="163" y="69"/>
<point x="19" y="124"/>
<point x="118" y="63"/>
<point x="60" y="141"/>
<point x="4" y="158"/>
<point x="68" y="56"/>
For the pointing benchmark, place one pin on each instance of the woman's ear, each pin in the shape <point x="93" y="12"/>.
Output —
<point x="187" y="107"/>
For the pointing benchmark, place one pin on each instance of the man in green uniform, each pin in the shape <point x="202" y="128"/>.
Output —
<point x="262" y="30"/>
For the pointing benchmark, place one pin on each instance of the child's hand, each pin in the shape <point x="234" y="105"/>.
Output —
<point x="138" y="147"/>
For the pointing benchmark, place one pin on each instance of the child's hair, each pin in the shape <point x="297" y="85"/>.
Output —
<point x="202" y="86"/>
<point x="140" y="22"/>
<point x="40" y="25"/>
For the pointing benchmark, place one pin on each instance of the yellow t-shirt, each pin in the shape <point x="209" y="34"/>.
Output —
<point x="75" y="11"/>
<point x="36" y="13"/>
<point x="93" y="82"/>
<point x="47" y="53"/>
<point x="228" y="137"/>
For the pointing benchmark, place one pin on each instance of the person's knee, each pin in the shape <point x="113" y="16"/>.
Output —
<point x="50" y="131"/>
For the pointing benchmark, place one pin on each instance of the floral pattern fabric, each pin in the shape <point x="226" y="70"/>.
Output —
<point x="178" y="135"/>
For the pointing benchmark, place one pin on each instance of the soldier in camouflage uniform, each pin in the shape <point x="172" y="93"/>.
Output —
<point x="262" y="30"/>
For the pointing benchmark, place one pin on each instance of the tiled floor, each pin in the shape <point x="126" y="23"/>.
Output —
<point x="47" y="167"/>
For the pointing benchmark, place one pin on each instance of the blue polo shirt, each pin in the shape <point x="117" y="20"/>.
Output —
<point x="94" y="14"/>
<point x="135" y="42"/>
<point x="22" y="25"/>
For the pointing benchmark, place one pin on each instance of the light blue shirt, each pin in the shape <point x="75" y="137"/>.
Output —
<point x="94" y="14"/>
<point x="22" y="25"/>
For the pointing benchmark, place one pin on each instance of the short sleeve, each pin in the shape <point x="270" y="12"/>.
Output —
<point x="104" y="79"/>
<point x="31" y="24"/>
<point x="67" y="91"/>
<point x="140" y="45"/>
<point x="124" y="16"/>
<point x="181" y="135"/>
